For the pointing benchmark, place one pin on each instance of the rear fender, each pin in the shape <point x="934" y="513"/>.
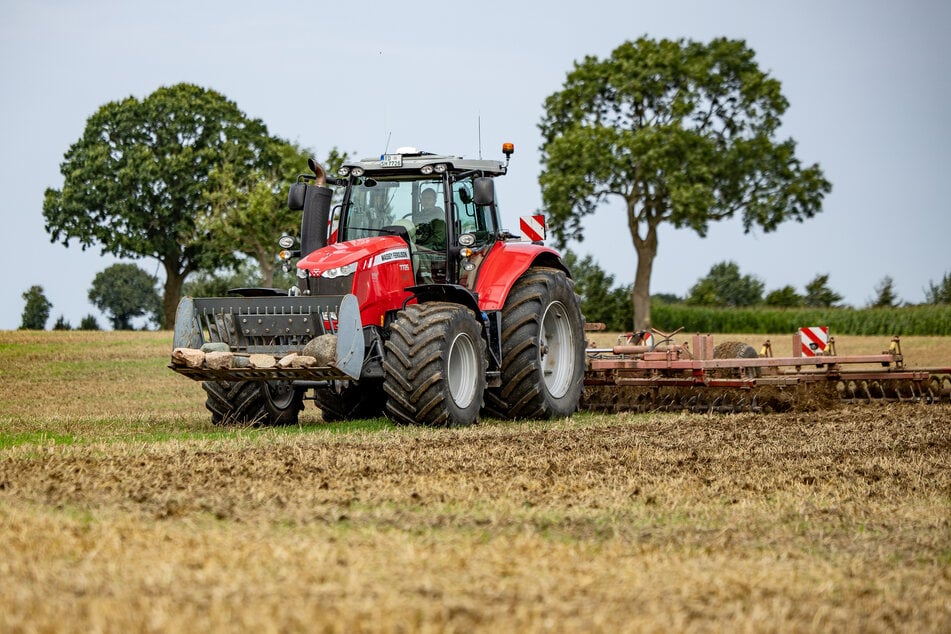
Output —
<point x="506" y="262"/>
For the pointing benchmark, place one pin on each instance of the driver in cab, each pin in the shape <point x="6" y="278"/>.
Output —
<point x="430" y="221"/>
<point x="427" y="207"/>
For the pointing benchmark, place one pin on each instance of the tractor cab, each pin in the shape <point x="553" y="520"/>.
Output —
<point x="444" y="207"/>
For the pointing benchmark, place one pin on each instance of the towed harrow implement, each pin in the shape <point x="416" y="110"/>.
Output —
<point x="700" y="377"/>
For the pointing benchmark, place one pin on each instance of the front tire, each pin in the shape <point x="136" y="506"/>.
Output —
<point x="435" y="366"/>
<point x="543" y="349"/>
<point x="253" y="402"/>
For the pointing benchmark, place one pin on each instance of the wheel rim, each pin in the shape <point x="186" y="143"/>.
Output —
<point x="556" y="349"/>
<point x="281" y="394"/>
<point x="462" y="368"/>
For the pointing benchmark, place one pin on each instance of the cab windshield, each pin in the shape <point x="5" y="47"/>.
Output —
<point x="376" y="203"/>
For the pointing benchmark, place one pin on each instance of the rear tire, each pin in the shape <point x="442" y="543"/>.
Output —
<point x="253" y="402"/>
<point x="434" y="366"/>
<point x="543" y="349"/>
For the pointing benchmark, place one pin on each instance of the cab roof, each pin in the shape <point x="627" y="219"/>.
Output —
<point x="408" y="160"/>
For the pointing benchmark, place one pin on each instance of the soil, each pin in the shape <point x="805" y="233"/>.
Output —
<point x="837" y="519"/>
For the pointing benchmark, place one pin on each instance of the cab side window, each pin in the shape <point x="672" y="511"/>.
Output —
<point x="472" y="218"/>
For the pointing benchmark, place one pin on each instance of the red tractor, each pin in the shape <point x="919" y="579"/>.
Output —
<point x="422" y="306"/>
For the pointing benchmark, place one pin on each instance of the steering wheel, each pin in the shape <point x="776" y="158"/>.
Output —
<point x="424" y="232"/>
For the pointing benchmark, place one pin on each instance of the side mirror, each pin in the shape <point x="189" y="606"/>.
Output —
<point x="483" y="191"/>
<point x="295" y="197"/>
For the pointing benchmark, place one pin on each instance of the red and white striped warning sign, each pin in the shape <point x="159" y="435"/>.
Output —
<point x="533" y="227"/>
<point x="815" y="340"/>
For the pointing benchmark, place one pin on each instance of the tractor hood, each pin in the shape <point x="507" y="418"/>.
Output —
<point x="343" y="258"/>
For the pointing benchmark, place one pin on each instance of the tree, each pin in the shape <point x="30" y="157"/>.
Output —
<point x="680" y="132"/>
<point x="124" y="292"/>
<point x="135" y="182"/>
<point x="885" y="296"/>
<point x="62" y="324"/>
<point x="785" y="297"/>
<point x="724" y="286"/>
<point x="37" y="309"/>
<point x="939" y="293"/>
<point x="818" y="293"/>
<point x="249" y="209"/>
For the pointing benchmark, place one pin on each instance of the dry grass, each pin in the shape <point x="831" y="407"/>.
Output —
<point x="838" y="521"/>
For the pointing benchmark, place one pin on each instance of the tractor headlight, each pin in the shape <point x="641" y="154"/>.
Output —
<point x="467" y="240"/>
<point x="357" y="171"/>
<point x="340" y="271"/>
<point x="439" y="168"/>
<point x="343" y="172"/>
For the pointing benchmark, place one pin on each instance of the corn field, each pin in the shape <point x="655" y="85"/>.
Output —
<point x="924" y="320"/>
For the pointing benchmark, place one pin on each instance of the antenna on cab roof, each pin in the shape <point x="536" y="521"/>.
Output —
<point x="479" y="119"/>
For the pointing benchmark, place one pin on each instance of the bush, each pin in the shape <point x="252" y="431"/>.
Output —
<point x="89" y="323"/>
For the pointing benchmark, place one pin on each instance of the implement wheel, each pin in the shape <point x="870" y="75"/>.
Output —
<point x="434" y="366"/>
<point x="737" y="350"/>
<point x="350" y="401"/>
<point x="253" y="402"/>
<point x="543" y="348"/>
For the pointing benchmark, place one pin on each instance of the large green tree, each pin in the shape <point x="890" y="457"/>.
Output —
<point x="124" y="291"/>
<point x="679" y="132"/>
<point x="135" y="183"/>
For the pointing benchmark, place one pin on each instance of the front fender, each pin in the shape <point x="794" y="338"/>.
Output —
<point x="506" y="262"/>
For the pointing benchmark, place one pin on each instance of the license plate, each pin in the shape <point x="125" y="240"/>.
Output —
<point x="391" y="160"/>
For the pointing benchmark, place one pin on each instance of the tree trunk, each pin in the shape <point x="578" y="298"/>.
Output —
<point x="174" y="279"/>
<point x="646" y="249"/>
<point x="267" y="272"/>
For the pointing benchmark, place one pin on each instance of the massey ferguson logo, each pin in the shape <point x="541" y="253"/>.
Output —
<point x="393" y="255"/>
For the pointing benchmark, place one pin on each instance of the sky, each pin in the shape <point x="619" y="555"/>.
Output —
<point x="868" y="83"/>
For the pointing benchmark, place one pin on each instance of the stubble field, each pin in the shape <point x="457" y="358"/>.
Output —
<point x="122" y="509"/>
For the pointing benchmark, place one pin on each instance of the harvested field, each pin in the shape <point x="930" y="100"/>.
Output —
<point x="144" y="518"/>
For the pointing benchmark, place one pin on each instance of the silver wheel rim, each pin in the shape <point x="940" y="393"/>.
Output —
<point x="462" y="367"/>
<point x="556" y="349"/>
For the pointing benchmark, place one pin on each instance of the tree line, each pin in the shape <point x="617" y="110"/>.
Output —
<point x="124" y="292"/>
<point x="725" y="300"/>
